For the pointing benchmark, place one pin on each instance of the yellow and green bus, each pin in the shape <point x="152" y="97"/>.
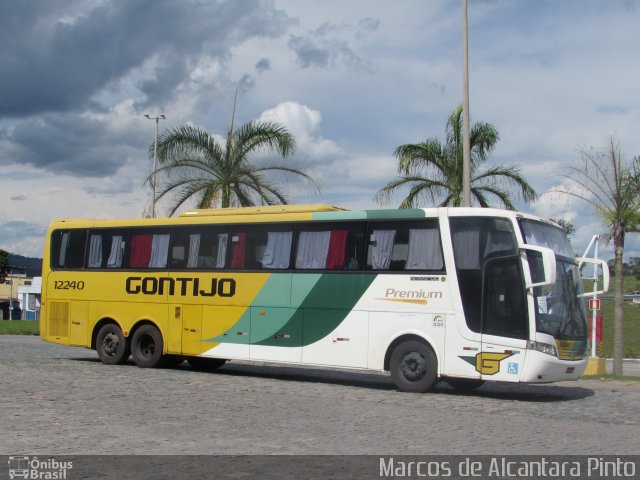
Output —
<point x="456" y="294"/>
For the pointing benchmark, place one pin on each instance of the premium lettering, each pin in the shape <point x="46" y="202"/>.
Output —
<point x="181" y="286"/>
<point x="411" y="294"/>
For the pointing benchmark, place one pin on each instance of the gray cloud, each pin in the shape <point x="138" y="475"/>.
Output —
<point x="245" y="83"/>
<point x="61" y="63"/>
<point x="263" y="64"/>
<point x="56" y="59"/>
<point x="329" y="45"/>
<point x="71" y="144"/>
<point x="308" y="53"/>
<point x="15" y="230"/>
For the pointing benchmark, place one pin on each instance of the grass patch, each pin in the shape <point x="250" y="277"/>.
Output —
<point x="630" y="328"/>
<point x="609" y="376"/>
<point x="19" y="327"/>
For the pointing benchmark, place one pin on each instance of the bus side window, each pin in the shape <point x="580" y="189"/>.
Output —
<point x="106" y="249"/>
<point x="68" y="249"/>
<point x="400" y="246"/>
<point x="201" y="248"/>
<point x="336" y="246"/>
<point x="149" y="249"/>
<point x="261" y="247"/>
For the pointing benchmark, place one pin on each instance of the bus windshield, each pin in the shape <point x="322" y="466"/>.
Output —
<point x="559" y="310"/>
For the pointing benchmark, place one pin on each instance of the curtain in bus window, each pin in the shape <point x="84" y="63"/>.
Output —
<point x="381" y="249"/>
<point x="238" y="250"/>
<point x="140" y="251"/>
<point x="115" y="256"/>
<point x="223" y="238"/>
<point x="278" y="250"/>
<point x="194" y="249"/>
<point x="466" y="248"/>
<point x="64" y="243"/>
<point x="159" y="251"/>
<point x="424" y="250"/>
<point x="95" y="252"/>
<point x="337" y="249"/>
<point x="313" y="248"/>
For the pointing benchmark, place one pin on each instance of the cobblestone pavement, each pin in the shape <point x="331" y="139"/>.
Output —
<point x="62" y="400"/>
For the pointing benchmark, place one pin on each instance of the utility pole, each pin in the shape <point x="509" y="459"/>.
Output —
<point x="155" y="160"/>
<point x="466" y="141"/>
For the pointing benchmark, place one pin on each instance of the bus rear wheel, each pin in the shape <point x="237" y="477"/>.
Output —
<point x="414" y="367"/>
<point x="112" y="347"/>
<point x="146" y="347"/>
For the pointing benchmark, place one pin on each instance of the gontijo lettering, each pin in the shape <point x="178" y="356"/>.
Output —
<point x="183" y="286"/>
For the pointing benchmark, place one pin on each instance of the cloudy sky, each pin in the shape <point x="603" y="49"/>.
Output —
<point x="351" y="79"/>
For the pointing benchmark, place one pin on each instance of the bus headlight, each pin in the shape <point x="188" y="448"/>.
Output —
<point x="544" y="348"/>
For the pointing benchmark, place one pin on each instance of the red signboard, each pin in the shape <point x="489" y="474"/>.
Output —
<point x="594" y="304"/>
<point x="598" y="329"/>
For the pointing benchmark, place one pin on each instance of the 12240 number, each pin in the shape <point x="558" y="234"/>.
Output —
<point x="68" y="285"/>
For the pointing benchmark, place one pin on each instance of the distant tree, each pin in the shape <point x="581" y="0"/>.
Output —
<point x="612" y="187"/>
<point x="566" y="226"/>
<point x="433" y="171"/>
<point x="4" y="264"/>
<point x="634" y="267"/>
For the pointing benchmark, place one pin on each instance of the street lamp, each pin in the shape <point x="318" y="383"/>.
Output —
<point x="155" y="160"/>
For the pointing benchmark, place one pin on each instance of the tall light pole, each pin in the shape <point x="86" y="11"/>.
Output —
<point x="466" y="142"/>
<point x="155" y="160"/>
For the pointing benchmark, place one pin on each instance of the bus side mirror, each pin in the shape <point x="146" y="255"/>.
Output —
<point x="605" y="274"/>
<point x="548" y="265"/>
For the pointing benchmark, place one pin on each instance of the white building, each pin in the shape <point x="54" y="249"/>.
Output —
<point x="29" y="297"/>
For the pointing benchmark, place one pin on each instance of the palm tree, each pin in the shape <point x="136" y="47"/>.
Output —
<point x="613" y="189"/>
<point x="433" y="171"/>
<point x="198" y="166"/>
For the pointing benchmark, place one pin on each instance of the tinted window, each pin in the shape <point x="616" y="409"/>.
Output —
<point x="400" y="246"/>
<point x="106" y="248"/>
<point x="330" y="246"/>
<point x="200" y="247"/>
<point x="505" y="310"/>
<point x="475" y="240"/>
<point x="148" y="248"/>
<point x="258" y="247"/>
<point x="67" y="248"/>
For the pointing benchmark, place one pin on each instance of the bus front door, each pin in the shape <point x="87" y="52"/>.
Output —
<point x="505" y="323"/>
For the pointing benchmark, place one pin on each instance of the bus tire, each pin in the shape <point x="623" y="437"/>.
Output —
<point x="204" y="363"/>
<point x="464" y="384"/>
<point x="414" y="367"/>
<point x="146" y="347"/>
<point x="112" y="347"/>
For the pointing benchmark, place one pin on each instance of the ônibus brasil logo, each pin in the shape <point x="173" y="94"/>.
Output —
<point x="33" y="468"/>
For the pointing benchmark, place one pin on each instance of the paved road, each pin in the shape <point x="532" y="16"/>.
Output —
<point x="61" y="400"/>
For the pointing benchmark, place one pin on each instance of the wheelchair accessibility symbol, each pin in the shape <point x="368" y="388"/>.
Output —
<point x="512" y="368"/>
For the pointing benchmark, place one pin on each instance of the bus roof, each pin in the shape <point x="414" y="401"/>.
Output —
<point x="286" y="213"/>
<point x="268" y="209"/>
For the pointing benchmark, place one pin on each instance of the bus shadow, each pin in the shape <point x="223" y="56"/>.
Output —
<point x="375" y="381"/>
<point x="540" y="393"/>
<point x="522" y="392"/>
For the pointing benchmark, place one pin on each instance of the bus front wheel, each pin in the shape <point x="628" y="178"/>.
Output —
<point x="414" y="367"/>
<point x="146" y="346"/>
<point x="112" y="347"/>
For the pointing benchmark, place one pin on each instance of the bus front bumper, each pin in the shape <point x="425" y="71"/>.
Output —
<point x="543" y="368"/>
